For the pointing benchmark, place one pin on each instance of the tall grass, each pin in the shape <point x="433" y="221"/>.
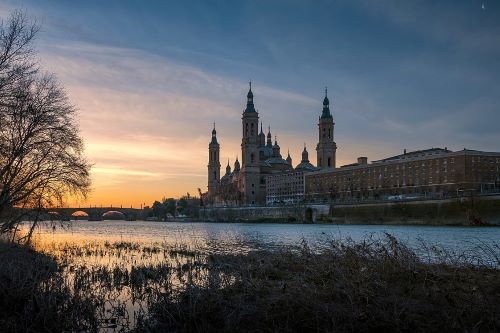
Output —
<point x="375" y="285"/>
<point x="35" y="297"/>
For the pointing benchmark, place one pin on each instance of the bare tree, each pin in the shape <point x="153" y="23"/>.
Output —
<point x="16" y="53"/>
<point x="41" y="151"/>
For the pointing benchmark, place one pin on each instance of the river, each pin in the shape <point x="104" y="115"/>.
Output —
<point x="247" y="236"/>
<point x="118" y="260"/>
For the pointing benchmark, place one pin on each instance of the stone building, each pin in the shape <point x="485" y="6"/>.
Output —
<point x="213" y="162"/>
<point x="260" y="159"/>
<point x="431" y="173"/>
<point x="264" y="177"/>
<point x="326" y="148"/>
<point x="288" y="187"/>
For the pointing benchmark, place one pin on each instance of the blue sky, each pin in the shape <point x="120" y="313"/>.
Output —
<point x="150" y="77"/>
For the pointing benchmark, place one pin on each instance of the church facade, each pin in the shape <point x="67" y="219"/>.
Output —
<point x="246" y="183"/>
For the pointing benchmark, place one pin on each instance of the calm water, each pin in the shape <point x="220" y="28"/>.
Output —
<point x="96" y="256"/>
<point x="247" y="236"/>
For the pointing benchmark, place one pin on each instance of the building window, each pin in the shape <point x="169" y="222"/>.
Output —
<point x="329" y="161"/>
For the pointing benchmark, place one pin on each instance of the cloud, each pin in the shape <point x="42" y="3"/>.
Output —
<point x="144" y="117"/>
<point x="400" y="75"/>
<point x="464" y="23"/>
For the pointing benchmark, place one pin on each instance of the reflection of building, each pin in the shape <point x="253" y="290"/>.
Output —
<point x="434" y="173"/>
<point x="261" y="159"/>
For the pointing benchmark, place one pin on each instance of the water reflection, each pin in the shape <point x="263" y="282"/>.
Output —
<point x="245" y="236"/>
<point x="130" y="265"/>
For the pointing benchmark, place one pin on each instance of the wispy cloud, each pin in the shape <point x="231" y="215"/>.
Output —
<point x="146" y="117"/>
<point x="149" y="80"/>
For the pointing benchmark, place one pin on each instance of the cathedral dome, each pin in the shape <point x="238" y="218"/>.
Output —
<point x="305" y="165"/>
<point x="276" y="160"/>
<point x="266" y="152"/>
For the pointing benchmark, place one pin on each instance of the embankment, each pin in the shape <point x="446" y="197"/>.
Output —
<point x="464" y="211"/>
<point x="479" y="211"/>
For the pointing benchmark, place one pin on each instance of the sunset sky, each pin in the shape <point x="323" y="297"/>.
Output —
<point x="149" y="78"/>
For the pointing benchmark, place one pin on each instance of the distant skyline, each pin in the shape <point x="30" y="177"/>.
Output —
<point x="150" y="78"/>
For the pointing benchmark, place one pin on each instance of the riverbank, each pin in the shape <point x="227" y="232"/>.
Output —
<point x="377" y="284"/>
<point x="484" y="211"/>
<point x="481" y="211"/>
<point x="35" y="295"/>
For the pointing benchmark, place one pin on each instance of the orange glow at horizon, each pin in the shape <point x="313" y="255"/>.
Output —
<point x="147" y="144"/>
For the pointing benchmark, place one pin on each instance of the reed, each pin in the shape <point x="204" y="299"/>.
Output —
<point x="378" y="284"/>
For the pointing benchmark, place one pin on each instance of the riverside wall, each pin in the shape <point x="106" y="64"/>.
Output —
<point x="285" y="214"/>
<point x="463" y="211"/>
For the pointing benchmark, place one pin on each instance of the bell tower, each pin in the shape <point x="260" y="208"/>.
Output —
<point x="250" y="168"/>
<point x="213" y="164"/>
<point x="326" y="148"/>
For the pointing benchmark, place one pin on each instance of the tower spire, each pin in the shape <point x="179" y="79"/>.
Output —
<point x="250" y="105"/>
<point x="214" y="135"/>
<point x="269" y="141"/>
<point x="326" y="106"/>
<point x="288" y="158"/>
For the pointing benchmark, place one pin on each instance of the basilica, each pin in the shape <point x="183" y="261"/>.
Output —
<point x="245" y="183"/>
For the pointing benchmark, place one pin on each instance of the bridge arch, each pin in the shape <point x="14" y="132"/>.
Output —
<point x="113" y="215"/>
<point x="80" y="215"/>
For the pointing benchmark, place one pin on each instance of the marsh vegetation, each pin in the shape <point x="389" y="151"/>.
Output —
<point x="375" y="284"/>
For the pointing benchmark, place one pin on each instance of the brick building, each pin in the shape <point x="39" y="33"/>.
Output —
<point x="431" y="173"/>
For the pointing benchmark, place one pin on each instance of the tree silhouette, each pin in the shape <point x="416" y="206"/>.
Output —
<point x="41" y="151"/>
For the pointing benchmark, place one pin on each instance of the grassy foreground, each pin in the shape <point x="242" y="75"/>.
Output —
<point x="376" y="285"/>
<point x="35" y="297"/>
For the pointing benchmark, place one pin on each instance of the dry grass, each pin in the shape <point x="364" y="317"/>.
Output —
<point x="35" y="297"/>
<point x="375" y="285"/>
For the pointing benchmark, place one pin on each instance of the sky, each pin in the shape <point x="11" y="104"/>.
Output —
<point x="150" y="78"/>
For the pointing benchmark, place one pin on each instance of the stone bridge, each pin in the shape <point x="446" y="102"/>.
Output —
<point x="99" y="213"/>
